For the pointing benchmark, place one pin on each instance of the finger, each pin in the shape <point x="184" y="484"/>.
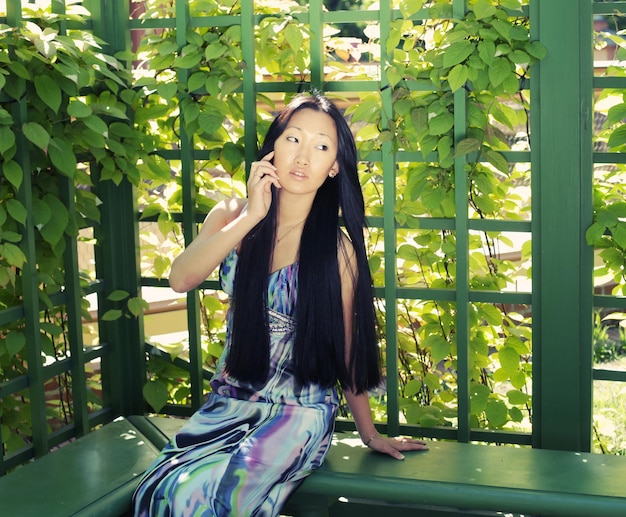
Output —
<point x="410" y="445"/>
<point x="394" y="453"/>
<point x="261" y="169"/>
<point x="268" y="157"/>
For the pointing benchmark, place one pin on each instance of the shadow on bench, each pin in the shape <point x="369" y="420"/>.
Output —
<point x="96" y="475"/>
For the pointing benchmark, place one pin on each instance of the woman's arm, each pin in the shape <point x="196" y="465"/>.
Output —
<point x="359" y="403"/>
<point x="224" y="228"/>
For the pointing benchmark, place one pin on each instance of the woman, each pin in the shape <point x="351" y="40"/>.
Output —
<point x="301" y="320"/>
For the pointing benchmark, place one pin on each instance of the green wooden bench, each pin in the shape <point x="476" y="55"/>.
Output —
<point x="92" y="476"/>
<point x="96" y="474"/>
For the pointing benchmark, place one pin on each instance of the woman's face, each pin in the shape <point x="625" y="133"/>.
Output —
<point x="305" y="154"/>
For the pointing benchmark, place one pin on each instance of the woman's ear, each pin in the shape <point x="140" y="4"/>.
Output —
<point x="334" y="170"/>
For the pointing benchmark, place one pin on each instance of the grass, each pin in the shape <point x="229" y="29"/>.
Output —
<point x="609" y="413"/>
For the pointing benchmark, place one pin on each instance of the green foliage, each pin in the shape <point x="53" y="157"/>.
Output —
<point x="485" y="57"/>
<point x="608" y="231"/>
<point x="86" y="114"/>
<point x="66" y="112"/>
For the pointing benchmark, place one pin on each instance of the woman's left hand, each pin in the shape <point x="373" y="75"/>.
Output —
<point x="394" y="446"/>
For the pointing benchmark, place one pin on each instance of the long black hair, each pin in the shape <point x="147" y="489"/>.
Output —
<point x="319" y="347"/>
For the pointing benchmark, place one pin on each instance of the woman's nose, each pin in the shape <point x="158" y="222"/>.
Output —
<point x="302" y="158"/>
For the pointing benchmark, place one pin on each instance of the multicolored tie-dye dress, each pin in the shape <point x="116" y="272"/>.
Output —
<point x="245" y="450"/>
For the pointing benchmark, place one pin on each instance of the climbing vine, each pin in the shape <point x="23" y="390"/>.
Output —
<point x="65" y="124"/>
<point x="86" y="116"/>
<point x="486" y="55"/>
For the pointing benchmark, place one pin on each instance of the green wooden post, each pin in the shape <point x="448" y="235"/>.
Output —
<point x="189" y="218"/>
<point x="249" y="84"/>
<point x="562" y="262"/>
<point x="74" y="317"/>
<point x="461" y="226"/>
<point x="390" y="237"/>
<point x="317" y="43"/>
<point x="117" y="252"/>
<point x="30" y="287"/>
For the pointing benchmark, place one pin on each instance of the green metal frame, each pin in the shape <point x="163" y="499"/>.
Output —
<point x="562" y="299"/>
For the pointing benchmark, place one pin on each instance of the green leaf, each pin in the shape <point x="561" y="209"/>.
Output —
<point x="619" y="235"/>
<point x="491" y="314"/>
<point x="48" y="91"/>
<point x="78" y="109"/>
<point x="483" y="9"/>
<point x="196" y="81"/>
<point x="137" y="305"/>
<point x="466" y="146"/>
<point x="487" y="51"/>
<point x="504" y="28"/>
<point x="9" y="236"/>
<point x="41" y="212"/>
<point x="514" y="5"/>
<point x="496" y="413"/>
<point x="432" y="381"/>
<point x="457" y="77"/>
<point x="156" y="394"/>
<point x="594" y="233"/>
<point x="188" y="61"/>
<point x="519" y="57"/>
<point x="616" y="113"/>
<point x="457" y="53"/>
<point x="231" y="157"/>
<point x="497" y="160"/>
<point x="62" y="156"/>
<point x="439" y="347"/>
<point x="16" y="210"/>
<point x="441" y="124"/>
<point x="294" y="37"/>
<point x="479" y="394"/>
<point x="618" y="137"/>
<point x="412" y="387"/>
<point x="118" y="295"/>
<point x="36" y="134"/>
<point x="7" y="139"/>
<point x="517" y="398"/>
<point x="518" y="379"/>
<point x="167" y="90"/>
<point x="509" y="359"/>
<point x="210" y="121"/>
<point x="111" y="315"/>
<point x="13" y="172"/>
<point x="95" y="123"/>
<point x="53" y="230"/>
<point x="191" y="111"/>
<point x="214" y="50"/>
<point x="428" y="420"/>
<point x="499" y="70"/>
<point x="536" y="49"/>
<point x="409" y="7"/>
<point x="515" y="414"/>
<point x="367" y="132"/>
<point x="12" y="254"/>
<point x="15" y="341"/>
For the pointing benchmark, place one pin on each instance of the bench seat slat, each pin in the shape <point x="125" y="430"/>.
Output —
<point x="95" y="476"/>
<point x="481" y="477"/>
<point x="92" y="476"/>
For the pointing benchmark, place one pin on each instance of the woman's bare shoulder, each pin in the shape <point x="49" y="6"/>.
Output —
<point x="227" y="210"/>
<point x="234" y="206"/>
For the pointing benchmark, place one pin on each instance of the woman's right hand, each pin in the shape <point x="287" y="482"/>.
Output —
<point x="262" y="176"/>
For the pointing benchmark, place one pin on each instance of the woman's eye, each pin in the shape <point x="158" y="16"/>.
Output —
<point x="322" y="147"/>
<point x="292" y="139"/>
